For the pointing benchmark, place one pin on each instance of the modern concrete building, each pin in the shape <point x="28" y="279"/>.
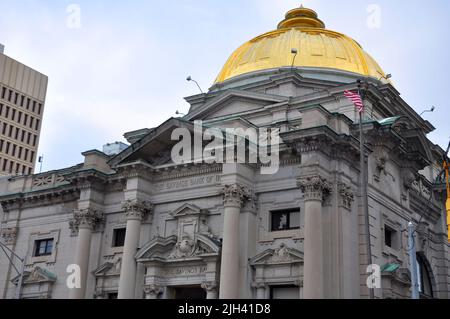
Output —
<point x="22" y="100"/>
<point x="139" y="225"/>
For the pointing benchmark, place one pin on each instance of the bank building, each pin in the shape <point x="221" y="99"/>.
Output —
<point x="140" y="226"/>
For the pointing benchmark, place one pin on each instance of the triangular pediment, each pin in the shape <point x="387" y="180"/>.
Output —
<point x="174" y="249"/>
<point x="36" y="276"/>
<point x="234" y="102"/>
<point x="108" y="269"/>
<point x="155" y="147"/>
<point x="281" y="255"/>
<point x="188" y="210"/>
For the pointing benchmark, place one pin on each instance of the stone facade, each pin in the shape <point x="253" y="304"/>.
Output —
<point x="207" y="229"/>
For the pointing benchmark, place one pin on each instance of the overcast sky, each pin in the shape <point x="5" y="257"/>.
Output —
<point x="123" y="67"/>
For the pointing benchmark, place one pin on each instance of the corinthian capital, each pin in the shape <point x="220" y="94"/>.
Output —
<point x="136" y="209"/>
<point x="235" y="195"/>
<point x="314" y="188"/>
<point x="85" y="218"/>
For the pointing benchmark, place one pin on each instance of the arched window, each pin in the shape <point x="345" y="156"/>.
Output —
<point x="425" y="277"/>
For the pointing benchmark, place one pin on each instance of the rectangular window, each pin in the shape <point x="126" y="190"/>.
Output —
<point x="284" y="292"/>
<point x="22" y="100"/>
<point x="34" y="140"/>
<point x="3" y="93"/>
<point x="34" y="106"/>
<point x="37" y="125"/>
<point x="119" y="237"/>
<point x="43" y="247"/>
<point x="287" y="219"/>
<point x="389" y="236"/>
<point x="40" y="109"/>
<point x="7" y="112"/>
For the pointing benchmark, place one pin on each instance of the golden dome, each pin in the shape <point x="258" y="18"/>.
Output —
<point x="316" y="47"/>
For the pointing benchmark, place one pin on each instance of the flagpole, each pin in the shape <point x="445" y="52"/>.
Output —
<point x="363" y="188"/>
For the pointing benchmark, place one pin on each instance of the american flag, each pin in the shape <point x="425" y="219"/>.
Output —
<point x="356" y="100"/>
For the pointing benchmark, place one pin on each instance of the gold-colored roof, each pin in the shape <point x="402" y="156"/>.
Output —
<point x="317" y="47"/>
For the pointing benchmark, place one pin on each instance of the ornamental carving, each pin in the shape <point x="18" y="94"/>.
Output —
<point x="85" y="218"/>
<point x="9" y="235"/>
<point x="210" y="286"/>
<point x="315" y="188"/>
<point x="153" y="290"/>
<point x="136" y="209"/>
<point x="236" y="195"/>
<point x="347" y="196"/>
<point x="281" y="254"/>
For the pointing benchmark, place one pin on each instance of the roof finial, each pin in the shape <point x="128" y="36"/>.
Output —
<point x="301" y="17"/>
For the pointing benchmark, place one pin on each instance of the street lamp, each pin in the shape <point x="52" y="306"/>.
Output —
<point x="294" y="51"/>
<point x="190" y="79"/>
<point x="428" y="111"/>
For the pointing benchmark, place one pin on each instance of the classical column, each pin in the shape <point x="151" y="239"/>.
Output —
<point x="211" y="289"/>
<point x="261" y="288"/>
<point x="234" y="197"/>
<point x="153" y="291"/>
<point x="314" y="190"/>
<point x="84" y="223"/>
<point x="135" y="212"/>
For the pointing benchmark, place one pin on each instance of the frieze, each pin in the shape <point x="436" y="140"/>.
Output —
<point x="185" y="271"/>
<point x="188" y="183"/>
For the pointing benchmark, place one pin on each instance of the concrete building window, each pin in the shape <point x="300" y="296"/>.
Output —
<point x="284" y="292"/>
<point x="43" y="247"/>
<point x="288" y="219"/>
<point x="425" y="283"/>
<point x="390" y="237"/>
<point x="119" y="237"/>
<point x="3" y="92"/>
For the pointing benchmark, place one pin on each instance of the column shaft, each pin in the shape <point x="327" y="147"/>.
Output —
<point x="229" y="271"/>
<point x="82" y="260"/>
<point x="313" y="251"/>
<point x="127" y="282"/>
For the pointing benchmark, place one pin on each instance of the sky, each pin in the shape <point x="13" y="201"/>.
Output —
<point x="119" y="66"/>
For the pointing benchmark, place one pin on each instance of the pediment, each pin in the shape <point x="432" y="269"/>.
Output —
<point x="108" y="269"/>
<point x="174" y="249"/>
<point x="188" y="210"/>
<point x="155" y="147"/>
<point x="36" y="276"/>
<point x="233" y="102"/>
<point x="281" y="255"/>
